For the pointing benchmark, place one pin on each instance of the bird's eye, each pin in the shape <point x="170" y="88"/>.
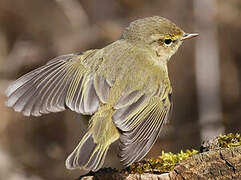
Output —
<point x="168" y="42"/>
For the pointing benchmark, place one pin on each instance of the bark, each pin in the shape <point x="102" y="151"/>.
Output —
<point x="218" y="164"/>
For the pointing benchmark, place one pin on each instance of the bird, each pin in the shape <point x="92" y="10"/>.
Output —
<point x="124" y="87"/>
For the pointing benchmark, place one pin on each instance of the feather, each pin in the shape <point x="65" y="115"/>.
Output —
<point x="126" y="116"/>
<point x="92" y="149"/>
<point x="140" y="128"/>
<point x="102" y="88"/>
<point x="128" y="99"/>
<point x="62" y="82"/>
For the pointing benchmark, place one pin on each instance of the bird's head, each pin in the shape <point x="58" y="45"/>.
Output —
<point x="163" y="36"/>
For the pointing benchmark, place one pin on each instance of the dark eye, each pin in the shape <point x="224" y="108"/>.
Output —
<point x="167" y="41"/>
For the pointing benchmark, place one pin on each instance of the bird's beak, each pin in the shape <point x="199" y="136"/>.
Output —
<point x="189" y="35"/>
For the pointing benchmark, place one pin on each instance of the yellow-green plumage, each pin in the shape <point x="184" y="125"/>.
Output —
<point x="124" y="86"/>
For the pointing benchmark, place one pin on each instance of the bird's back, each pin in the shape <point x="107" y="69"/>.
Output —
<point x="129" y="68"/>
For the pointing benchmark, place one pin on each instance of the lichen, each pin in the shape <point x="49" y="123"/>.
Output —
<point x="229" y="140"/>
<point x="164" y="163"/>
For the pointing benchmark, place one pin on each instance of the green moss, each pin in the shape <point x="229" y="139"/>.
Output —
<point x="167" y="161"/>
<point x="164" y="163"/>
<point x="229" y="140"/>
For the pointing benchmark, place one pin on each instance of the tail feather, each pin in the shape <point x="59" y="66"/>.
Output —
<point x="92" y="149"/>
<point x="97" y="159"/>
<point x="87" y="155"/>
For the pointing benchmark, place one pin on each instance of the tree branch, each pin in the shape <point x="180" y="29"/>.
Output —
<point x="216" y="163"/>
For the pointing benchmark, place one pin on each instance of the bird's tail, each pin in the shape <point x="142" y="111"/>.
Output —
<point x="91" y="151"/>
<point x="87" y="155"/>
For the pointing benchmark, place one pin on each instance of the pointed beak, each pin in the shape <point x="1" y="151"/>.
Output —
<point x="189" y="35"/>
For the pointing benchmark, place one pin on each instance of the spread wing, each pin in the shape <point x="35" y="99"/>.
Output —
<point x="63" y="82"/>
<point x="140" y="123"/>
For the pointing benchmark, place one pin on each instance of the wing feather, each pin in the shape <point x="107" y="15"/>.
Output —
<point x="63" y="82"/>
<point x="140" y="126"/>
<point x="102" y="88"/>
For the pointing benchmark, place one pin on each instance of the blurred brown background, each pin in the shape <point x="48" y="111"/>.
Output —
<point x="205" y="73"/>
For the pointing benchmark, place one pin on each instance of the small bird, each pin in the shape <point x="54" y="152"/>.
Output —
<point x="124" y="87"/>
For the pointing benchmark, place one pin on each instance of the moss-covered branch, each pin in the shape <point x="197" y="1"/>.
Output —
<point x="218" y="159"/>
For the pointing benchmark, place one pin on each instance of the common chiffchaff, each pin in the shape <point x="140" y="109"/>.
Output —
<point x="124" y="87"/>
